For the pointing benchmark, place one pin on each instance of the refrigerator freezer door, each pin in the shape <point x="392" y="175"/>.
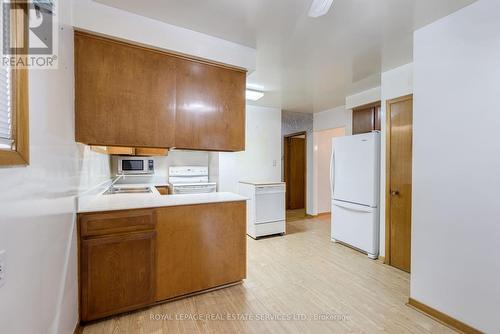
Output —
<point x="357" y="226"/>
<point x="356" y="168"/>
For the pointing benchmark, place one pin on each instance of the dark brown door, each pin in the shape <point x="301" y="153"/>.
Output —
<point x="400" y="140"/>
<point x="117" y="274"/>
<point x="295" y="165"/>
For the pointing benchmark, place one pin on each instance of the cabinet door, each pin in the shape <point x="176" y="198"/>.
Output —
<point x="210" y="111"/>
<point x="378" y="118"/>
<point x="124" y="94"/>
<point x="363" y="120"/>
<point x="200" y="247"/>
<point x="117" y="274"/>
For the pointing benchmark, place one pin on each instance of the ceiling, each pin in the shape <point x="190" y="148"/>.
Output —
<point x="306" y="64"/>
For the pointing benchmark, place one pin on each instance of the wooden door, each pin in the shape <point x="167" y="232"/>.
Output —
<point x="295" y="172"/>
<point x="400" y="113"/>
<point x="200" y="247"/>
<point x="116" y="274"/>
<point x="210" y="111"/>
<point x="124" y="94"/>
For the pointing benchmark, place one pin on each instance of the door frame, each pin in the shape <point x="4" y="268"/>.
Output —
<point x="285" y="164"/>
<point x="389" y="103"/>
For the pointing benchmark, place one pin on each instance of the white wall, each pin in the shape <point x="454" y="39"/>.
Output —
<point x="362" y="98"/>
<point x="322" y="154"/>
<point x="395" y="83"/>
<point x="261" y="159"/>
<point x="174" y="158"/>
<point x="338" y="117"/>
<point x="37" y="206"/>
<point x="455" y="267"/>
<point x="96" y="17"/>
<point x="335" y="119"/>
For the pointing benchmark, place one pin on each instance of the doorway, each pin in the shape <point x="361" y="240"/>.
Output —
<point x="295" y="146"/>
<point x="399" y="182"/>
<point x="322" y="168"/>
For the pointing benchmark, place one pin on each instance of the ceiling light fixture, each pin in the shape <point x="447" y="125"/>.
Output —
<point x="253" y="86"/>
<point x="253" y="95"/>
<point x="320" y="7"/>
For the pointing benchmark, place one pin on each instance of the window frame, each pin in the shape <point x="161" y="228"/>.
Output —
<point x="19" y="156"/>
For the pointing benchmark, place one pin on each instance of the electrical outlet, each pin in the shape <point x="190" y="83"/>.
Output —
<point x="2" y="267"/>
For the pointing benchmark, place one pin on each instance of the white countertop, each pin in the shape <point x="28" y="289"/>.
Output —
<point x="98" y="202"/>
<point x="262" y="183"/>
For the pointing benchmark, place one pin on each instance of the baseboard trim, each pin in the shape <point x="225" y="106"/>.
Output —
<point x="192" y="294"/>
<point x="78" y="328"/>
<point x="442" y="317"/>
<point x="323" y="214"/>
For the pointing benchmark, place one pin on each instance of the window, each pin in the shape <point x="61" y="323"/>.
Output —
<point x="6" y="141"/>
<point x="14" y="140"/>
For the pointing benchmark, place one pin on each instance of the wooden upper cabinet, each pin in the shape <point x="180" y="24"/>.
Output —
<point x="378" y="118"/>
<point x="366" y="119"/>
<point x="210" y="113"/>
<point x="124" y="94"/>
<point x="133" y="96"/>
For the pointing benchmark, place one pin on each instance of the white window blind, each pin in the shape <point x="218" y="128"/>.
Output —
<point x="5" y="109"/>
<point x="6" y="140"/>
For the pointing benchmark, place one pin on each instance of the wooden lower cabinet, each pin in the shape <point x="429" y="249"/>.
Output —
<point x="117" y="274"/>
<point x="134" y="258"/>
<point x="200" y="247"/>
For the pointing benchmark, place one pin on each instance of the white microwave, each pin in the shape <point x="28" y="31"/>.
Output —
<point x="133" y="166"/>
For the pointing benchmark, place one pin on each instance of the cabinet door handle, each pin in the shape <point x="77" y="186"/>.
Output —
<point x="394" y="193"/>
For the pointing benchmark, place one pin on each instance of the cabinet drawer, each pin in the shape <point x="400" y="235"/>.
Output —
<point x="116" y="222"/>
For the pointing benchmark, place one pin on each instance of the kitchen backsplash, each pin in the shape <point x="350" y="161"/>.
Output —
<point x="174" y="158"/>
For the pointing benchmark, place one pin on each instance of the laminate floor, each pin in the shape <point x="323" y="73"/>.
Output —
<point x="293" y="215"/>
<point x="298" y="283"/>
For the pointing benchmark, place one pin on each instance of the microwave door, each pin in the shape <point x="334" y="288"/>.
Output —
<point x="133" y="165"/>
<point x="136" y="166"/>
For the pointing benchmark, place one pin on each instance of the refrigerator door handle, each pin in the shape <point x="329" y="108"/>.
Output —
<point x="354" y="207"/>
<point x="332" y="170"/>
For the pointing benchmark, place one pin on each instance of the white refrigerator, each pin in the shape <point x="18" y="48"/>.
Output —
<point x="355" y="185"/>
